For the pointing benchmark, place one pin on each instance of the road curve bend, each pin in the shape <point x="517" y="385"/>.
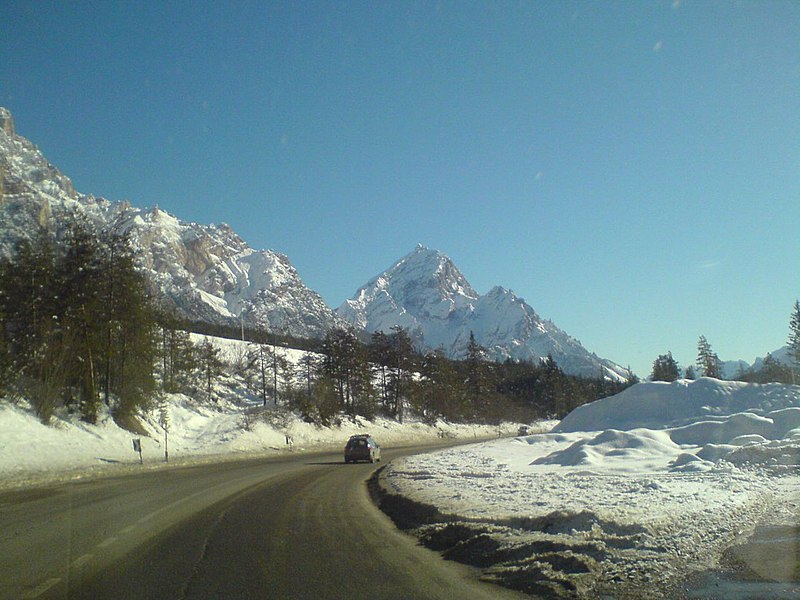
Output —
<point x="297" y="527"/>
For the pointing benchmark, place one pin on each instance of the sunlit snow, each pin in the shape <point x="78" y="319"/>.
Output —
<point x="692" y="466"/>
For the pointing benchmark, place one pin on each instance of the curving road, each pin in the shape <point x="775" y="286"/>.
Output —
<point x="300" y="527"/>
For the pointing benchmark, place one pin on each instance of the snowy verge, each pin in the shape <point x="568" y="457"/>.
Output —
<point x="622" y="510"/>
<point x="67" y="448"/>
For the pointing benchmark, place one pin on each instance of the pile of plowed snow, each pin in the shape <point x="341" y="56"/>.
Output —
<point x="654" y="481"/>
<point x="716" y="420"/>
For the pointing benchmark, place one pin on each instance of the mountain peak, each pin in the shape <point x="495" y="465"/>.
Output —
<point x="426" y="272"/>
<point x="6" y="122"/>
<point x="426" y="294"/>
<point x="424" y="286"/>
<point x="421" y="251"/>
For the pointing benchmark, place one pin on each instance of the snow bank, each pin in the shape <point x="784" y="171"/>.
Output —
<point x="69" y="448"/>
<point x="653" y="482"/>
<point x="658" y="405"/>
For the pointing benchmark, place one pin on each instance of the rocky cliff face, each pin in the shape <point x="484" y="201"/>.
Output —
<point x="6" y="122"/>
<point x="205" y="272"/>
<point x="425" y="293"/>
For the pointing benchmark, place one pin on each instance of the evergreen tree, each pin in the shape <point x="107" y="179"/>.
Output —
<point x="554" y="388"/>
<point x="433" y="396"/>
<point x="127" y="326"/>
<point x="773" y="371"/>
<point x="176" y="358"/>
<point x="345" y="363"/>
<point x="77" y="322"/>
<point x="308" y="366"/>
<point x="35" y="356"/>
<point x="210" y="365"/>
<point x="476" y="376"/>
<point x="79" y="276"/>
<point x="708" y="363"/>
<point x="401" y="357"/>
<point x="286" y="376"/>
<point x="28" y="296"/>
<point x="380" y="353"/>
<point x="665" y="368"/>
<point x="263" y="360"/>
<point x="325" y="403"/>
<point x="794" y="336"/>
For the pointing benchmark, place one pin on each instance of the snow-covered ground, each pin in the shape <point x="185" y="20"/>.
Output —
<point x="235" y="426"/>
<point x="624" y="496"/>
<point x="68" y="448"/>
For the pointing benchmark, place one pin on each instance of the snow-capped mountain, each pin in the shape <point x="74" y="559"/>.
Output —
<point x="731" y="368"/>
<point x="425" y="293"/>
<point x="206" y="272"/>
<point x="782" y="355"/>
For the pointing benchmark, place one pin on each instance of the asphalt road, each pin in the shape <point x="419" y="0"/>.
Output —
<point x="300" y="526"/>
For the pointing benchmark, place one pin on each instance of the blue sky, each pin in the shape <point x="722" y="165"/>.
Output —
<point x="631" y="169"/>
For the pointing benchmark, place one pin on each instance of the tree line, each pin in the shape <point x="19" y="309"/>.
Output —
<point x="708" y="364"/>
<point x="387" y="376"/>
<point x="80" y="328"/>
<point x="76" y="323"/>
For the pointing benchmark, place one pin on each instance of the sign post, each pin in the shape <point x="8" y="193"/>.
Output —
<point x="137" y="447"/>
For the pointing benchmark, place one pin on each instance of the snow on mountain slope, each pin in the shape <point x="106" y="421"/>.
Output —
<point x="781" y="355"/>
<point x="425" y="293"/>
<point x="732" y="368"/>
<point x="206" y="272"/>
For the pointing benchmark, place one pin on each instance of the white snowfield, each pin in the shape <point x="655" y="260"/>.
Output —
<point x="660" y="479"/>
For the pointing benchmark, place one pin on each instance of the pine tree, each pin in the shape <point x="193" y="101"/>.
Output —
<point x="340" y="363"/>
<point x="554" y="391"/>
<point x="794" y="336"/>
<point x="263" y="360"/>
<point x="309" y="366"/>
<point x="286" y="376"/>
<point x="773" y="371"/>
<point x="476" y="376"/>
<point x="210" y="365"/>
<point x="402" y="355"/>
<point x="665" y="368"/>
<point x="440" y="390"/>
<point x="380" y="352"/>
<point x="708" y="363"/>
<point x="177" y="360"/>
<point x="77" y="322"/>
<point x="127" y="327"/>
